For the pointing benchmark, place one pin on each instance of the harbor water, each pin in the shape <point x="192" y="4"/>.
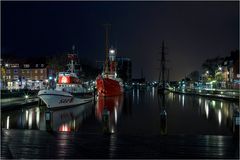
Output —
<point x="137" y="112"/>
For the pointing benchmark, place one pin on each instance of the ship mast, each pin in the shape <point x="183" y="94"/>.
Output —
<point x="163" y="65"/>
<point x="106" y="69"/>
<point x="71" y="56"/>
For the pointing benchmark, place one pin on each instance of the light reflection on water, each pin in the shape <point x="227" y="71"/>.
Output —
<point x="138" y="111"/>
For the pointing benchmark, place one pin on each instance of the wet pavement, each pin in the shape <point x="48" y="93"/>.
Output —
<point x="30" y="144"/>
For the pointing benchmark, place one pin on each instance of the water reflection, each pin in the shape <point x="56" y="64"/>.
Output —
<point x="219" y="117"/>
<point x="35" y="118"/>
<point x="107" y="111"/>
<point x="139" y="115"/>
<point x="206" y="108"/>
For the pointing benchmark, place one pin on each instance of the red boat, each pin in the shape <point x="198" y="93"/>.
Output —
<point x="108" y="84"/>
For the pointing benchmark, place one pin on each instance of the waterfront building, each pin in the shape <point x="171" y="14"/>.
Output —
<point x="22" y="74"/>
<point x="124" y="69"/>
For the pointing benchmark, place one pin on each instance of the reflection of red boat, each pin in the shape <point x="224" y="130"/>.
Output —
<point x="112" y="104"/>
<point x="107" y="110"/>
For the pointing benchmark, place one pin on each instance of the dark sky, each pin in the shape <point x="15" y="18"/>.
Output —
<point x="193" y="31"/>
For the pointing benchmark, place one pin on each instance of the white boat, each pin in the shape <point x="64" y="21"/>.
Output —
<point x="55" y="98"/>
<point x="69" y="90"/>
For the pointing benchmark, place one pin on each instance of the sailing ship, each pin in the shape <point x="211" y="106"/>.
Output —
<point x="108" y="84"/>
<point x="69" y="89"/>
<point x="162" y="87"/>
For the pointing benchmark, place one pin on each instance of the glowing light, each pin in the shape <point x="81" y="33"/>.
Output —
<point x="30" y="120"/>
<point x="112" y="51"/>
<point x="64" y="128"/>
<point x="115" y="110"/>
<point x="8" y="118"/>
<point x="183" y="100"/>
<point x="219" y="117"/>
<point x="199" y="101"/>
<point x="206" y="108"/>
<point x="112" y="130"/>
<point x="37" y="116"/>
<point x="221" y="105"/>
<point x="26" y="96"/>
<point x="214" y="103"/>
<point x="26" y="115"/>
<point x="64" y="79"/>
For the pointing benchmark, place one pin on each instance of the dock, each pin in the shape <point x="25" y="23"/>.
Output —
<point x="32" y="144"/>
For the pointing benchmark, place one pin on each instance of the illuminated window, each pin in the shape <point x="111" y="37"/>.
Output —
<point x="36" y="71"/>
<point x="26" y="65"/>
<point x="41" y="70"/>
<point x="36" y="65"/>
<point x="42" y="65"/>
<point x="36" y="77"/>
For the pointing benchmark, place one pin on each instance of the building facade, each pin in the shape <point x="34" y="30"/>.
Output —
<point x="124" y="69"/>
<point x="24" y="75"/>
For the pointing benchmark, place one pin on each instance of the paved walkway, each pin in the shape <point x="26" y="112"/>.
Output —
<point x="29" y="144"/>
<point x="10" y="103"/>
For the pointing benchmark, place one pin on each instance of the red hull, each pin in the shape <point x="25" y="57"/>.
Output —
<point x="108" y="87"/>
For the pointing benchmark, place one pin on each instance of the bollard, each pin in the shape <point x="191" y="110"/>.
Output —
<point x="105" y="119"/>
<point x="236" y="123"/>
<point x="163" y="123"/>
<point x="48" y="119"/>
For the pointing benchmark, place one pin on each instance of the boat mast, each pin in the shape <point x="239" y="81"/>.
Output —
<point x="163" y="64"/>
<point x="72" y="65"/>
<point x="107" y="50"/>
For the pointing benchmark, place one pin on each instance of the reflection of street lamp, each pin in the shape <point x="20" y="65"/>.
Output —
<point x="26" y="98"/>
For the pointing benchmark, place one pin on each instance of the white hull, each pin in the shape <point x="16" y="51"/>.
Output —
<point x="55" y="99"/>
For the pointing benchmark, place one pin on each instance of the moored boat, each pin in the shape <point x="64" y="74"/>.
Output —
<point x="108" y="84"/>
<point x="69" y="89"/>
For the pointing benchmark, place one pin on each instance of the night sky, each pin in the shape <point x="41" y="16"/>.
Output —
<point x="193" y="31"/>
